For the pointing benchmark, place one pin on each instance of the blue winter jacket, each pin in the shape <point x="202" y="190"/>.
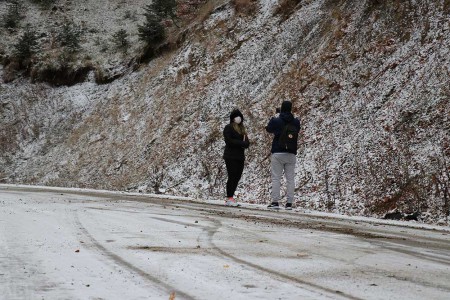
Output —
<point x="276" y="125"/>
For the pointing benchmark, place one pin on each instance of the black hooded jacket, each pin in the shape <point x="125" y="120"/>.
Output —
<point x="276" y="125"/>
<point x="235" y="144"/>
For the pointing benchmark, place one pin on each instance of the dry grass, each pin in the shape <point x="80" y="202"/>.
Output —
<point x="10" y="72"/>
<point x="286" y="8"/>
<point x="245" y="7"/>
<point x="8" y="142"/>
<point x="296" y="81"/>
<point x="447" y="6"/>
<point x="81" y="132"/>
<point x="205" y="10"/>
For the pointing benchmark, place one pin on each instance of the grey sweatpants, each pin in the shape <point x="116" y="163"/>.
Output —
<point x="283" y="162"/>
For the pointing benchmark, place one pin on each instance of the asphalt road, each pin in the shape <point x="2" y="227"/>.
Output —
<point x="68" y="244"/>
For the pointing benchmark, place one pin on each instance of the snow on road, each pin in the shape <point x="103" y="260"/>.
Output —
<point x="67" y="244"/>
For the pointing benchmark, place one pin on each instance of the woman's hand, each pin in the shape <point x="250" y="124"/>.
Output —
<point x="246" y="142"/>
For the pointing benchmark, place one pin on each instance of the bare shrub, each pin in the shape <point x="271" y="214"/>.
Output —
<point x="245" y="7"/>
<point x="155" y="178"/>
<point x="202" y="11"/>
<point x="447" y="6"/>
<point x="286" y="8"/>
<point x="44" y="4"/>
<point x="60" y="72"/>
<point x="13" y="15"/>
<point x="214" y="172"/>
<point x="440" y="182"/>
<point x="10" y="72"/>
<point x="8" y="141"/>
<point x="212" y="165"/>
<point x="395" y="180"/>
<point x="61" y="66"/>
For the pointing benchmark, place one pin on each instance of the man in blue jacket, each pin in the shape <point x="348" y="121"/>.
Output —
<point x="284" y="156"/>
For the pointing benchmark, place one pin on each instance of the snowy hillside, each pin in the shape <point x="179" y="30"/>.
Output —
<point x="369" y="80"/>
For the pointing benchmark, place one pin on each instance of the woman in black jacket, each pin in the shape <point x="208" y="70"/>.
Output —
<point x="236" y="141"/>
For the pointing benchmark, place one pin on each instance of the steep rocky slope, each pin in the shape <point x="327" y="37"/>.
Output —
<point x="369" y="81"/>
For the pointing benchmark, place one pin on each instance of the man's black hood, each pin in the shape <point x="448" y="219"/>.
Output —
<point x="287" y="117"/>
<point x="236" y="113"/>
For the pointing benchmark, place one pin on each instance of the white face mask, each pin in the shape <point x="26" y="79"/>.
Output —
<point x="237" y="120"/>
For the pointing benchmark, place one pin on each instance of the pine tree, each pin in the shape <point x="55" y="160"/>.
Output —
<point x="120" y="40"/>
<point x="27" y="45"/>
<point x="69" y="36"/>
<point x="165" y="9"/>
<point x="151" y="32"/>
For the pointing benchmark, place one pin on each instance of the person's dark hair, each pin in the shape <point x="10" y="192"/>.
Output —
<point x="286" y="106"/>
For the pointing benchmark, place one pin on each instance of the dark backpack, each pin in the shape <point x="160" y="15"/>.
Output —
<point x="289" y="137"/>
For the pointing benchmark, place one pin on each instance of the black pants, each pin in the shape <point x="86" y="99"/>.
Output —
<point x="234" y="170"/>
